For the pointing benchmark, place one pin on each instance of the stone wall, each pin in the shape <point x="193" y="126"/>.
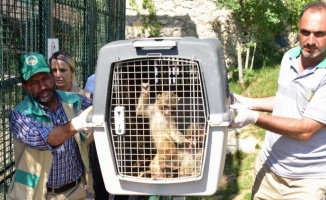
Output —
<point x="197" y="18"/>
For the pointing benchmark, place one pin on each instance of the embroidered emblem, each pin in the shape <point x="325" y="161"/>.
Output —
<point x="31" y="60"/>
<point x="309" y="94"/>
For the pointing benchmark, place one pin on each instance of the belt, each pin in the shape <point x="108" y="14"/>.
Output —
<point x="63" y="188"/>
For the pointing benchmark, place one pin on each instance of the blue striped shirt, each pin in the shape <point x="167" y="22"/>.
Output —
<point x="67" y="165"/>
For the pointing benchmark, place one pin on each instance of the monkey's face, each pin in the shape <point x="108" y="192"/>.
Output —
<point x="166" y="110"/>
<point x="167" y="101"/>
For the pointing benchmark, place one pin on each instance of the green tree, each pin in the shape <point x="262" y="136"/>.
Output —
<point x="259" y="21"/>
<point x="263" y="20"/>
<point x="295" y="7"/>
<point x="150" y="22"/>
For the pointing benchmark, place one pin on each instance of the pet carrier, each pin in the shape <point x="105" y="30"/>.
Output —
<point x="160" y="116"/>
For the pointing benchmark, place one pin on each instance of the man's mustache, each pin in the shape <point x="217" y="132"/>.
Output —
<point x="310" y="45"/>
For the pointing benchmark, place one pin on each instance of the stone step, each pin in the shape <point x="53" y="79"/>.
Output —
<point x="235" y="143"/>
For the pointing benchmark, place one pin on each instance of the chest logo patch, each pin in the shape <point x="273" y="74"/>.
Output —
<point x="309" y="94"/>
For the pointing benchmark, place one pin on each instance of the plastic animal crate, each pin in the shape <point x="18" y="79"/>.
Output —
<point x="130" y="152"/>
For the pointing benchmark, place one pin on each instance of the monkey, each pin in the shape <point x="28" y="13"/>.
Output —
<point x="197" y="134"/>
<point x="163" y="131"/>
<point x="191" y="158"/>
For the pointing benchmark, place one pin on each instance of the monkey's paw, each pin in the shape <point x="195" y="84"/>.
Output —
<point x="157" y="175"/>
<point x="145" y="88"/>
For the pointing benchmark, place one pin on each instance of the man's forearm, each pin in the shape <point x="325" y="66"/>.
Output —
<point x="60" y="134"/>
<point x="300" y="129"/>
<point x="265" y="104"/>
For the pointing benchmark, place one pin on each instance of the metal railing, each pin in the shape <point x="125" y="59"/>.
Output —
<point x="82" y="28"/>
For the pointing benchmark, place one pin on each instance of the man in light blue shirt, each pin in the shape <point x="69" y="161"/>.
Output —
<point x="90" y="84"/>
<point x="292" y="162"/>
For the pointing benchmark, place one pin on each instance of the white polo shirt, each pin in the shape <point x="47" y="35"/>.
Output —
<point x="298" y="95"/>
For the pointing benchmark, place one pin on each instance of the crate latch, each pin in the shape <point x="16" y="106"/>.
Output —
<point x="119" y="120"/>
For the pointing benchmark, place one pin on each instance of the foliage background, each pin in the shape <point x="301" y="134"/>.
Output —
<point x="264" y="21"/>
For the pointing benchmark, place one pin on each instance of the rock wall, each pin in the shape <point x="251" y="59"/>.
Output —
<point x="197" y="18"/>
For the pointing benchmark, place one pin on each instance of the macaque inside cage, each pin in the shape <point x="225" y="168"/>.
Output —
<point x="158" y="118"/>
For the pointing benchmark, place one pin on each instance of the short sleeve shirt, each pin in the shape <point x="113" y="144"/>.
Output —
<point x="298" y="95"/>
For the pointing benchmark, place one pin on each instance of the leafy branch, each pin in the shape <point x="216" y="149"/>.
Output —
<point x="150" y="22"/>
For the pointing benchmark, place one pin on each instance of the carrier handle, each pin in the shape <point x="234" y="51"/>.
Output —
<point x="155" y="44"/>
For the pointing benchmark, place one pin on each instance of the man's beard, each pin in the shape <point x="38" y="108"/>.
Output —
<point x="48" y="99"/>
<point x="315" y="55"/>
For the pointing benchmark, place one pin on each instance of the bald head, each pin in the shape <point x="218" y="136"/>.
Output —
<point x="315" y="7"/>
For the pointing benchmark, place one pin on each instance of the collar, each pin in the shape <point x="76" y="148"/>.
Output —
<point x="44" y="108"/>
<point x="37" y="109"/>
<point x="31" y="107"/>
